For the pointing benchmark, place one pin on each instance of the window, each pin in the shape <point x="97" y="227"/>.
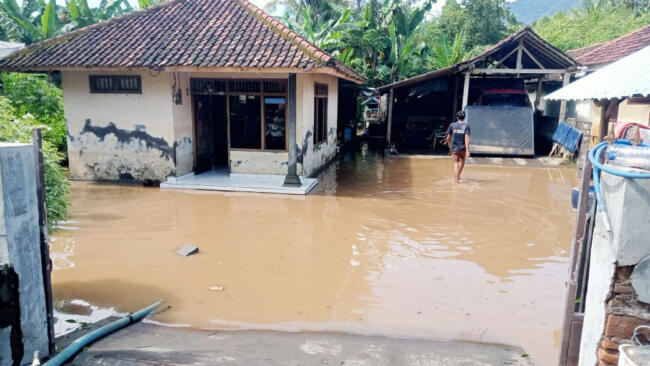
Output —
<point x="245" y="126"/>
<point x="275" y="122"/>
<point x="128" y="84"/>
<point x="320" y="113"/>
<point x="257" y="110"/>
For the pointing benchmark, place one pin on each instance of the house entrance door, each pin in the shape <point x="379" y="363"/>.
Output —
<point x="211" y="133"/>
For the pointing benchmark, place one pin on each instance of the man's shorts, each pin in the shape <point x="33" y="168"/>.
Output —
<point x="457" y="155"/>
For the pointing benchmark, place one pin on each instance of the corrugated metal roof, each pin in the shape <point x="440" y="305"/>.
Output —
<point x="629" y="76"/>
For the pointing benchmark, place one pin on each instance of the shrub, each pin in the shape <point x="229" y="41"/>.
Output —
<point x="33" y="94"/>
<point x="19" y="129"/>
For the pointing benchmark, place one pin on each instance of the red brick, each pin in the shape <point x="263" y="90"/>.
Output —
<point x="608" y="356"/>
<point x="622" y="326"/>
<point x="607" y="343"/>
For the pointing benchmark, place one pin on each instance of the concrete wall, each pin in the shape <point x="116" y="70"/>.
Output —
<point x="613" y="307"/>
<point x="20" y="249"/>
<point x="149" y="137"/>
<point x="119" y="136"/>
<point x="313" y="157"/>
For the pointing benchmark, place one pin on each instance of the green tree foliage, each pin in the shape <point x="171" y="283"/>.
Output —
<point x="36" y="20"/>
<point x="445" y="54"/>
<point x="33" y="94"/>
<point x="597" y="21"/>
<point x="485" y="22"/>
<point x="19" y="129"/>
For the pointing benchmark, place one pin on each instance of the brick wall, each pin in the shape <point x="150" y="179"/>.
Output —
<point x="623" y="313"/>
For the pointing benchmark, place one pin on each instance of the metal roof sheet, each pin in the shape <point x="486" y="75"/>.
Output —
<point x="629" y="76"/>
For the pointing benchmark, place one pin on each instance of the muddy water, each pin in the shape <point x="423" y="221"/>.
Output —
<point x="384" y="246"/>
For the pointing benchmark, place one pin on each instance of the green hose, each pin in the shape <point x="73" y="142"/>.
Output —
<point x="96" y="334"/>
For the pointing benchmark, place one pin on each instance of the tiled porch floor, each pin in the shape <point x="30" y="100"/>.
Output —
<point x="222" y="181"/>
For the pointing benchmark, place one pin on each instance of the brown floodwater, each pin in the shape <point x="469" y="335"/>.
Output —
<point x="384" y="246"/>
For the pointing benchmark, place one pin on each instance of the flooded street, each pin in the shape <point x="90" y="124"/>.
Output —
<point x="383" y="247"/>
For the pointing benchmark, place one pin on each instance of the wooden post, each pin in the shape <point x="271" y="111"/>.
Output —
<point x="466" y="90"/>
<point x="606" y="110"/>
<point x="292" y="178"/>
<point x="538" y="95"/>
<point x="453" y="113"/>
<point x="389" y="123"/>
<point x="566" y="78"/>
<point x="570" y="340"/>
<point x="46" y="263"/>
<point x="520" y="50"/>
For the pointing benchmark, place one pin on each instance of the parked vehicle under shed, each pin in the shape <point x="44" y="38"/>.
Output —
<point x="420" y="108"/>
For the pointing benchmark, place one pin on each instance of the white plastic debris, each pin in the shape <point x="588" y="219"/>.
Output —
<point x="187" y="250"/>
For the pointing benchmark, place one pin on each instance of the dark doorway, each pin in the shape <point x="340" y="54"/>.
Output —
<point x="211" y="132"/>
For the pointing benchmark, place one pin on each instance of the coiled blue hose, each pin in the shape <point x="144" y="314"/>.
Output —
<point x="80" y="343"/>
<point x="594" y="156"/>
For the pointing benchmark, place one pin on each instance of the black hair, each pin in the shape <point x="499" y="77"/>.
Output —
<point x="461" y="115"/>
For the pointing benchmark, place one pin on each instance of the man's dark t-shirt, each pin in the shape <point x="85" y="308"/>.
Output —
<point x="458" y="130"/>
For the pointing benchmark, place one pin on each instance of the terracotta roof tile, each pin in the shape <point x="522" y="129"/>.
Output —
<point x="196" y="33"/>
<point x="611" y="51"/>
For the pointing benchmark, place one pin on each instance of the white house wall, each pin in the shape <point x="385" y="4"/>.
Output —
<point x="311" y="157"/>
<point x="119" y="136"/>
<point x="148" y="137"/>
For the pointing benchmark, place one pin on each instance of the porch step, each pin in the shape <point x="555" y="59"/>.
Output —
<point x="222" y="181"/>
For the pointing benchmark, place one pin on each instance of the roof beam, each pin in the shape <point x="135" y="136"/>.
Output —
<point x="519" y="71"/>
<point x="520" y="48"/>
<point x="504" y="58"/>
<point x="533" y="58"/>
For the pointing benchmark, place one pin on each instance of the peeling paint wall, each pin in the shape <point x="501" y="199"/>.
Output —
<point x="148" y="136"/>
<point x="183" y="124"/>
<point x="120" y="136"/>
<point x="258" y="162"/>
<point x="311" y="157"/>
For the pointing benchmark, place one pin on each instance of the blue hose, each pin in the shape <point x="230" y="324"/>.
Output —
<point x="80" y="343"/>
<point x="594" y="156"/>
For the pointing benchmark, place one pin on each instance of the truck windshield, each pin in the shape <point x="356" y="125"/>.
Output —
<point x="505" y="99"/>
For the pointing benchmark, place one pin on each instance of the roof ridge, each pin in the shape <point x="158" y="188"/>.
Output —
<point x="285" y="32"/>
<point x="83" y="30"/>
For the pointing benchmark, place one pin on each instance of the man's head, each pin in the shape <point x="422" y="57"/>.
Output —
<point x="460" y="116"/>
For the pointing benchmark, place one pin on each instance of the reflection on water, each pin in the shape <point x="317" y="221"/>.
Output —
<point x="384" y="246"/>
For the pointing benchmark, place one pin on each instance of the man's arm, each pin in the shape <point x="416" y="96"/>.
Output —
<point x="467" y="145"/>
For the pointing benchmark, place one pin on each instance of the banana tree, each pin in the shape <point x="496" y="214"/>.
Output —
<point x="17" y="21"/>
<point x="445" y="54"/>
<point x="323" y="34"/>
<point x="406" y="51"/>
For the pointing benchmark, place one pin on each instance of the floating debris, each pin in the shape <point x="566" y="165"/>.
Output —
<point x="187" y="250"/>
<point x="216" y="288"/>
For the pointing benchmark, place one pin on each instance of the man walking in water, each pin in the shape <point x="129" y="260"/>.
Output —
<point x="458" y="141"/>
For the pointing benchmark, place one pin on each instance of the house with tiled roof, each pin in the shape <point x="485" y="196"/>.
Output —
<point x="193" y="86"/>
<point x="594" y="57"/>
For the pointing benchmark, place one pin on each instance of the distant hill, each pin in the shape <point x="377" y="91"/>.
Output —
<point x="528" y="11"/>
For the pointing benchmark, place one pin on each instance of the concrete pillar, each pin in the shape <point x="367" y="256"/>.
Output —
<point x="613" y="253"/>
<point x="566" y="78"/>
<point x="292" y="178"/>
<point x="466" y="90"/>
<point x="20" y="251"/>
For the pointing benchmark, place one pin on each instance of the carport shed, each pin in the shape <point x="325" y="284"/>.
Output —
<point x="430" y="100"/>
